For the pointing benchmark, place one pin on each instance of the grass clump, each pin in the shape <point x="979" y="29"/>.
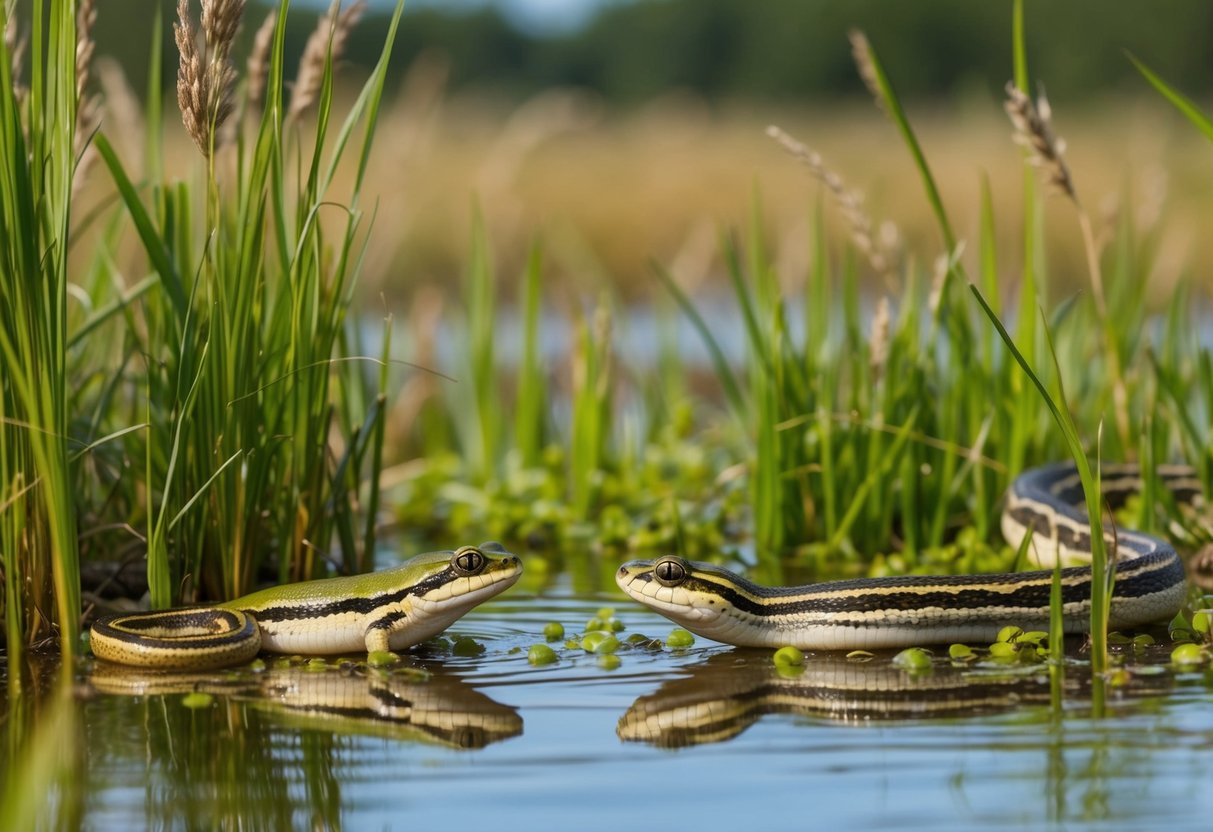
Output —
<point x="256" y="264"/>
<point x="41" y="132"/>
<point x="218" y="412"/>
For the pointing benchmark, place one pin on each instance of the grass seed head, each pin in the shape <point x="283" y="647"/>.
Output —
<point x="861" y="53"/>
<point x="259" y="61"/>
<point x="220" y="22"/>
<point x="849" y="202"/>
<point x="205" y="78"/>
<point x="86" y="16"/>
<point x="1034" y="130"/>
<point x="324" y="47"/>
<point x="878" y="354"/>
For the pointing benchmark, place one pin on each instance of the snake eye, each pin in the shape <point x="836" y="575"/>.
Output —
<point x="468" y="561"/>
<point x="671" y="571"/>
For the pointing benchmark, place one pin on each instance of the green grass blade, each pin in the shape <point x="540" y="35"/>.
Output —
<point x="887" y="97"/>
<point x="1178" y="100"/>
<point x="153" y="243"/>
<point x="1100" y="580"/>
<point x="721" y="365"/>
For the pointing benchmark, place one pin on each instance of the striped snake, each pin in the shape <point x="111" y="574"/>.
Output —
<point x="874" y="613"/>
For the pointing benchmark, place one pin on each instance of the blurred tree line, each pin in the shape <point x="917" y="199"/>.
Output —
<point x="773" y="49"/>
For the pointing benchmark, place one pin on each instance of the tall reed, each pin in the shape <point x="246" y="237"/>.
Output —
<point x="257" y="445"/>
<point x="38" y="141"/>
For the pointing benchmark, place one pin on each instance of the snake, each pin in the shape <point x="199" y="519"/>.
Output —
<point x="391" y="609"/>
<point x="913" y="610"/>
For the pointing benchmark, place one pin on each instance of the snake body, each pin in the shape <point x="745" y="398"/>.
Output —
<point x="388" y="610"/>
<point x="890" y="612"/>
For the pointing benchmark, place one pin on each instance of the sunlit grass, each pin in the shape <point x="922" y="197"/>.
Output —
<point x="869" y="425"/>
<point x="38" y="141"/>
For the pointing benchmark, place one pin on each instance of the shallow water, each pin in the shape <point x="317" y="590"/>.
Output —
<point x="707" y="736"/>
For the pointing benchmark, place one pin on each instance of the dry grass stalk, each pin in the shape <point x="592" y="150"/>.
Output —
<point x="326" y="43"/>
<point x="258" y="70"/>
<point x="944" y="264"/>
<point x="849" y="202"/>
<point x="205" y="78"/>
<point x="861" y="53"/>
<point x="1034" y="130"/>
<point x="878" y="350"/>
<point x="86" y="16"/>
<point x="88" y="107"/>
<point x="122" y="105"/>
<point x="14" y="43"/>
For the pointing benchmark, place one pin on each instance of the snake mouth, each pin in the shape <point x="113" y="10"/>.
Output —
<point x="677" y="603"/>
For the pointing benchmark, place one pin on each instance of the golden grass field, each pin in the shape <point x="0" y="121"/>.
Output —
<point x="608" y="193"/>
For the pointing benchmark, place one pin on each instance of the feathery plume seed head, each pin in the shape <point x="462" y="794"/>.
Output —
<point x="191" y="83"/>
<point x="220" y="22"/>
<point x="205" y="77"/>
<point x="259" y="61"/>
<point x="861" y="53"/>
<point x="86" y="16"/>
<point x="324" y="46"/>
<point x="1034" y="130"/>
<point x="878" y="351"/>
<point x="849" y="202"/>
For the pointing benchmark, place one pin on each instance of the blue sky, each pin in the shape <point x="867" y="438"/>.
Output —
<point x="533" y="16"/>
<point x="538" y="16"/>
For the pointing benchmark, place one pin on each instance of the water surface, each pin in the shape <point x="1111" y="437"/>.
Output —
<point x="707" y="737"/>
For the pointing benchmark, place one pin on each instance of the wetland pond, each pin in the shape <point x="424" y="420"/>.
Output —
<point x="472" y="735"/>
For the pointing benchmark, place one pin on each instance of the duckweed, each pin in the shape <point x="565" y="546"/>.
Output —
<point x="609" y="661"/>
<point x="1009" y="634"/>
<point x="382" y="658"/>
<point x="541" y="654"/>
<point x="599" y="642"/>
<point x="1188" y="655"/>
<point x="553" y="631"/>
<point x="607" y="645"/>
<point x="788" y="657"/>
<point x="679" y="637"/>
<point x="961" y="653"/>
<point x="913" y="659"/>
<point x="197" y="700"/>
<point x="1003" y="650"/>
<point x="467" y="646"/>
<point x="1200" y="621"/>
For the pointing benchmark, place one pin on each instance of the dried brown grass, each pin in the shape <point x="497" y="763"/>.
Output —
<point x="1033" y="129"/>
<point x="205" y="75"/>
<point x="849" y="202"/>
<point x="1033" y="123"/>
<point x="861" y="53"/>
<point x="258" y="66"/>
<point x="326" y="43"/>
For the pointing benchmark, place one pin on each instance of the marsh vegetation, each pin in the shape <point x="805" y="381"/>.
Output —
<point x="246" y="340"/>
